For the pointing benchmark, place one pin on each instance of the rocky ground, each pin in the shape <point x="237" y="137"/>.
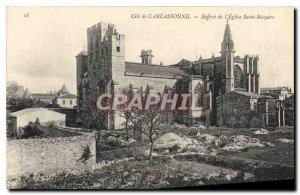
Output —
<point x="138" y="174"/>
<point x="164" y="172"/>
<point x="257" y="144"/>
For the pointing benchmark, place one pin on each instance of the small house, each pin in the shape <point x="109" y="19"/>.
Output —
<point x="66" y="101"/>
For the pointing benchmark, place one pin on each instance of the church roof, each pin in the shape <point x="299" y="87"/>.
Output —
<point x="155" y="70"/>
<point x="68" y="96"/>
<point x="227" y="43"/>
<point x="227" y="34"/>
<point x="64" y="90"/>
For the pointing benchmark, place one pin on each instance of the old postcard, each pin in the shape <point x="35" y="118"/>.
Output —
<point x="149" y="97"/>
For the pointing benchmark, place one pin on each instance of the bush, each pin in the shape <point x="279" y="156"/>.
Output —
<point x="113" y="141"/>
<point x="37" y="121"/>
<point x="174" y="148"/>
<point x="50" y="124"/>
<point x="21" y="103"/>
<point x="86" y="155"/>
<point x="32" y="130"/>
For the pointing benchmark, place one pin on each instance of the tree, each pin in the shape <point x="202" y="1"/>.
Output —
<point x="53" y="105"/>
<point x="150" y="121"/>
<point x="20" y="104"/>
<point x="88" y="115"/>
<point x="12" y="90"/>
<point x="125" y="113"/>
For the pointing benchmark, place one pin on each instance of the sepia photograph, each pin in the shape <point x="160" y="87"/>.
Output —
<point x="150" y="98"/>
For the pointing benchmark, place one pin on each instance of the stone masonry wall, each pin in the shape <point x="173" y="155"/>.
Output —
<point x="26" y="156"/>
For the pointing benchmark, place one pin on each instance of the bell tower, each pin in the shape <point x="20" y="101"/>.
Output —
<point x="227" y="55"/>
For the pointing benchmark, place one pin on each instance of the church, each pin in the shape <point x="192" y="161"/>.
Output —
<point x="104" y="69"/>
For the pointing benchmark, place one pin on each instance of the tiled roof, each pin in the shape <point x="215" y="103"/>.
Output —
<point x="43" y="96"/>
<point x="68" y="96"/>
<point x="29" y="110"/>
<point x="273" y="88"/>
<point x="252" y="95"/>
<point x="155" y="70"/>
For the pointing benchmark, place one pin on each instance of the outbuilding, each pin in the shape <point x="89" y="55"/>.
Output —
<point x="18" y="120"/>
<point x="244" y="109"/>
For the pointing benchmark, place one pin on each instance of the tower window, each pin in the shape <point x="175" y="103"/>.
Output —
<point x="118" y="49"/>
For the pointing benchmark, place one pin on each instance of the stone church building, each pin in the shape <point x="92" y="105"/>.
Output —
<point x="103" y="69"/>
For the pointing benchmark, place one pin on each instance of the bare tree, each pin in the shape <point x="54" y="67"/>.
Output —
<point x="151" y="120"/>
<point x="127" y="114"/>
<point x="12" y="89"/>
<point x="146" y="121"/>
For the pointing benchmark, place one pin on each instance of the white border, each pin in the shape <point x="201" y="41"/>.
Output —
<point x="5" y="3"/>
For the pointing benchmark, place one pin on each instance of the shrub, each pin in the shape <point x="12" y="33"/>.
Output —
<point x="174" y="148"/>
<point x="50" y="124"/>
<point x="86" y="155"/>
<point x="32" y="130"/>
<point x="37" y="121"/>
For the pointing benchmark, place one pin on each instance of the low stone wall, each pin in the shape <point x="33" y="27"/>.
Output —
<point x="122" y="153"/>
<point x="27" y="156"/>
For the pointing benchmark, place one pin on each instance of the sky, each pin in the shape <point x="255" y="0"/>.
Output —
<point x="42" y="42"/>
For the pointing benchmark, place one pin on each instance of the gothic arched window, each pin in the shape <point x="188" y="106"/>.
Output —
<point x="238" y="77"/>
